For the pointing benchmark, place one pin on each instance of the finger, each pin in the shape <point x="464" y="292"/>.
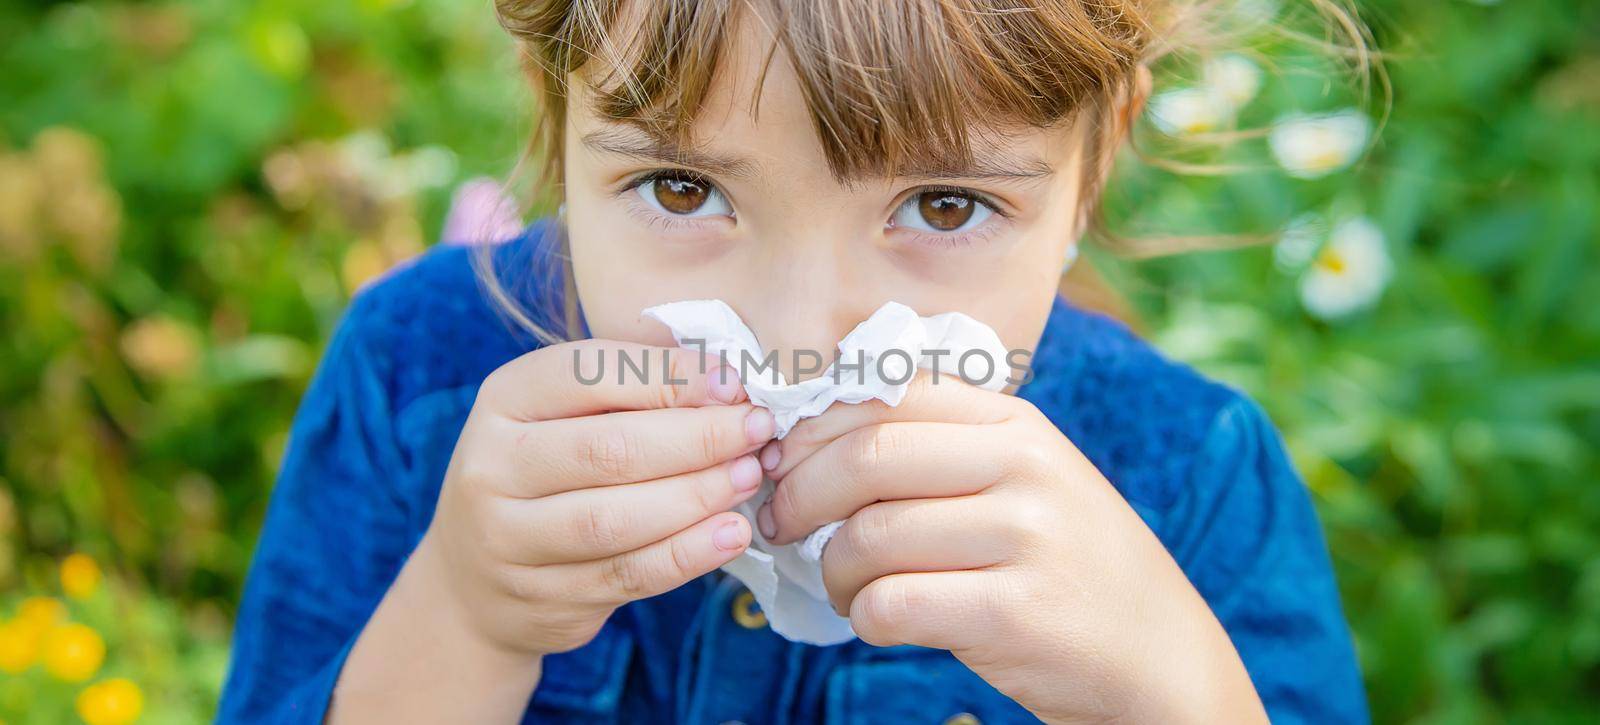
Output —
<point x="595" y="523"/>
<point x="585" y="377"/>
<point x="881" y="462"/>
<point x="897" y="537"/>
<point x="631" y="446"/>
<point x="950" y="610"/>
<point x="928" y="398"/>
<point x="659" y="567"/>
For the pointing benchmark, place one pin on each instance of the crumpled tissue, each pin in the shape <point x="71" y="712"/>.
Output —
<point x="787" y="580"/>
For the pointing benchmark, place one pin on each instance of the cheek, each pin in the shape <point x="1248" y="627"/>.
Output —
<point x="612" y="287"/>
<point x="619" y="271"/>
<point x="1012" y="293"/>
<point x="1014" y="298"/>
<point x="1045" y="256"/>
<point x="1034" y="284"/>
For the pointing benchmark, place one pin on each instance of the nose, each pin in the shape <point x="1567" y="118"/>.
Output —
<point x="804" y="300"/>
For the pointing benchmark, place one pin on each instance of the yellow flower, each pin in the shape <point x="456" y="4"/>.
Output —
<point x="116" y="701"/>
<point x="73" y="652"/>
<point x="19" y="646"/>
<point x="68" y="157"/>
<point x="363" y="262"/>
<point x="80" y="576"/>
<point x="161" y="347"/>
<point x="42" y="612"/>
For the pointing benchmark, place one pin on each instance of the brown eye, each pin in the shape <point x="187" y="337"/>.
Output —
<point x="683" y="194"/>
<point x="942" y="210"/>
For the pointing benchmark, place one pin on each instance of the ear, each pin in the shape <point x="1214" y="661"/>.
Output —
<point x="1138" y="93"/>
<point x="1125" y="109"/>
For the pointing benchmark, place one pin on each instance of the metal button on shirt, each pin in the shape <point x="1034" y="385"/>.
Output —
<point x="963" y="718"/>
<point x="746" y="612"/>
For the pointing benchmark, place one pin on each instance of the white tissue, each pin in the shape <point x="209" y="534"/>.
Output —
<point x="787" y="580"/>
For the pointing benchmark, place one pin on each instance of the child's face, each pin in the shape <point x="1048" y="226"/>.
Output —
<point x="755" y="218"/>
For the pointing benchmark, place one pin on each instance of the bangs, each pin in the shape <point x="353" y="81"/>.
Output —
<point x="888" y="83"/>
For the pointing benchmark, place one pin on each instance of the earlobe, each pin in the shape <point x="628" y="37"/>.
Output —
<point x="1071" y="255"/>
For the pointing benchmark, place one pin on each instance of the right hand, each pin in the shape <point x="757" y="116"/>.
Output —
<point x="564" y="501"/>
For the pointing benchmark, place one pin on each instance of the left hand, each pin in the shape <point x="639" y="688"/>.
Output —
<point x="973" y="525"/>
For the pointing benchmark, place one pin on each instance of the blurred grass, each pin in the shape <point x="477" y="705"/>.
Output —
<point x="191" y="190"/>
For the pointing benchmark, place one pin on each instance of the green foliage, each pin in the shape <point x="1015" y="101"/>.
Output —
<point x="190" y="191"/>
<point x="1450" y="432"/>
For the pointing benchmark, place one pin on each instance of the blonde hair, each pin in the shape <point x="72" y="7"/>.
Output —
<point x="886" y="82"/>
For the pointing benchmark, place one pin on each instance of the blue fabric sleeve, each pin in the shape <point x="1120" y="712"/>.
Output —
<point x="1249" y="539"/>
<point x="334" y="539"/>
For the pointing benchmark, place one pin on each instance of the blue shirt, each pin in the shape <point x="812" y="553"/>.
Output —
<point x="1198" y="461"/>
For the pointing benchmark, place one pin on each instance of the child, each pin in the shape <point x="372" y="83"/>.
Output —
<point x="465" y="532"/>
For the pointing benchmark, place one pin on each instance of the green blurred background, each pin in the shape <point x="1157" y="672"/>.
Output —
<point x="190" y="191"/>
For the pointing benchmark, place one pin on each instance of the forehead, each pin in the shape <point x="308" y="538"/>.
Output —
<point x="754" y="90"/>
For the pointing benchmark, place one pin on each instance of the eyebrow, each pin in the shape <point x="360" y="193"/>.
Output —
<point x="996" y="168"/>
<point x="638" y="146"/>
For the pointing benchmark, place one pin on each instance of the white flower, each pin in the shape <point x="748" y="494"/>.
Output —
<point x="1350" y="273"/>
<point x="1312" y="146"/>
<point x="1188" y="111"/>
<point x="1233" y="79"/>
<point x="1227" y="83"/>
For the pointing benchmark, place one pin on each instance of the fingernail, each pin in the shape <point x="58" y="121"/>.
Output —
<point x="746" y="474"/>
<point x="770" y="455"/>
<point x="758" y="426"/>
<point x="769" y="529"/>
<point x="724" y="384"/>
<point x="728" y="536"/>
